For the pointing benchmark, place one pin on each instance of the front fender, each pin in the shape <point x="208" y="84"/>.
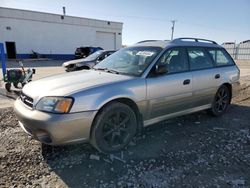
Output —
<point x="95" y="98"/>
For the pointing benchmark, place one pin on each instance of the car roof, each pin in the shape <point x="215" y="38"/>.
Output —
<point x="153" y="43"/>
<point x="90" y="47"/>
<point x="104" y="51"/>
<point x="194" y="42"/>
<point x="108" y="50"/>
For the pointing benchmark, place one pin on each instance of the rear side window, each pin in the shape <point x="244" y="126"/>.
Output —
<point x="199" y="59"/>
<point x="220" y="57"/>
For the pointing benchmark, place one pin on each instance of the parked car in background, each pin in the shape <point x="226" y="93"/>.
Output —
<point x="83" y="52"/>
<point x="135" y="87"/>
<point x="88" y="62"/>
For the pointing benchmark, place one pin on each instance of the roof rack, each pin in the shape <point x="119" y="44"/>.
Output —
<point x="194" y="39"/>
<point x="147" y="41"/>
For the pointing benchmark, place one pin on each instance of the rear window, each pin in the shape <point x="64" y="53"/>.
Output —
<point x="220" y="57"/>
<point x="199" y="59"/>
<point x="78" y="50"/>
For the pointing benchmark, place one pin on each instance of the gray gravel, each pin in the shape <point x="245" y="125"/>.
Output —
<point x="190" y="151"/>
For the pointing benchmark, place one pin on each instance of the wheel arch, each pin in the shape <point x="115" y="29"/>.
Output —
<point x="128" y="102"/>
<point x="85" y="67"/>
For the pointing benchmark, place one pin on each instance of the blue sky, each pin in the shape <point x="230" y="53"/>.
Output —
<point x="219" y="20"/>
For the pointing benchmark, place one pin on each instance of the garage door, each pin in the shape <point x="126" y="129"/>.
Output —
<point x="105" y="40"/>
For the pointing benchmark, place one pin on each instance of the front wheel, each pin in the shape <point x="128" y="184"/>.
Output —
<point x="221" y="101"/>
<point x="113" y="128"/>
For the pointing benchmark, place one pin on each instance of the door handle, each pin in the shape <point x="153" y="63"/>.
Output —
<point x="186" y="82"/>
<point x="217" y="76"/>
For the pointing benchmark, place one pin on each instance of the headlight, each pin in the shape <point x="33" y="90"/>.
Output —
<point x="55" y="104"/>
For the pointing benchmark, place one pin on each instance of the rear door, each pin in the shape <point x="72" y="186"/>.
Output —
<point x="204" y="74"/>
<point x="171" y="92"/>
<point x="225" y="67"/>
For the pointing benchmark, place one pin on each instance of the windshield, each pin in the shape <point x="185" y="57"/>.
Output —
<point x="131" y="61"/>
<point x="93" y="56"/>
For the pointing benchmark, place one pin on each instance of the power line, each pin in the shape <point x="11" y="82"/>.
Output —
<point x="214" y="28"/>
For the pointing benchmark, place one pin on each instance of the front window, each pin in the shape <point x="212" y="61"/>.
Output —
<point x="93" y="56"/>
<point x="130" y="61"/>
<point x="174" y="60"/>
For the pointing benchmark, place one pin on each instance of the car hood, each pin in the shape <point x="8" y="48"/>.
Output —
<point x="69" y="83"/>
<point x="67" y="63"/>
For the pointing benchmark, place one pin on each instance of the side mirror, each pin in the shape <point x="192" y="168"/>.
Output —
<point x="161" y="69"/>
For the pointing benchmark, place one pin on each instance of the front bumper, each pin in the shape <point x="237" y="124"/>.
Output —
<point x="54" y="129"/>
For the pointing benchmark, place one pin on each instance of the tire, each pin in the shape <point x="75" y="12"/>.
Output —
<point x="23" y="84"/>
<point x="221" y="101"/>
<point x="8" y="86"/>
<point x="113" y="128"/>
<point x="48" y="150"/>
<point x="84" y="68"/>
<point x="15" y="85"/>
<point x="70" y="68"/>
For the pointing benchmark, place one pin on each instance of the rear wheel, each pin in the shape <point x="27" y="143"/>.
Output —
<point x="113" y="128"/>
<point x="70" y="68"/>
<point x="23" y="84"/>
<point x="16" y="85"/>
<point x="8" y="86"/>
<point x="84" y="68"/>
<point x="221" y="101"/>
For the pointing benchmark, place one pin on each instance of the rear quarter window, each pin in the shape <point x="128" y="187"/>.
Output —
<point x="220" y="57"/>
<point x="199" y="59"/>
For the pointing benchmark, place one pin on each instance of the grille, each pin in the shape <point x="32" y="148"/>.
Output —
<point x="26" y="100"/>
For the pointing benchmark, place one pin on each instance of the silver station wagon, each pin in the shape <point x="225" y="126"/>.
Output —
<point x="137" y="86"/>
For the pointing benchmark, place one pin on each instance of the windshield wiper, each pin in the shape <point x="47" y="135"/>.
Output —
<point x="108" y="70"/>
<point x="113" y="71"/>
<point x="101" y="69"/>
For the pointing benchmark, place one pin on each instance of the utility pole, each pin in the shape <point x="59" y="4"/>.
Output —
<point x="173" y="22"/>
<point x="64" y="11"/>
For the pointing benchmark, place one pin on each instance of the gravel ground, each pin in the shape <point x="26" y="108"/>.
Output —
<point x="190" y="151"/>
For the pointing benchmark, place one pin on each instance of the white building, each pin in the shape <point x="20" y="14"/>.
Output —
<point x="53" y="35"/>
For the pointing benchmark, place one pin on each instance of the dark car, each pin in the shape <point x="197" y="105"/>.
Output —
<point x="88" y="62"/>
<point x="83" y="52"/>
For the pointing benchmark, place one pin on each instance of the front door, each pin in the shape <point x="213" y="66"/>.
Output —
<point x="11" y="50"/>
<point x="171" y="92"/>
